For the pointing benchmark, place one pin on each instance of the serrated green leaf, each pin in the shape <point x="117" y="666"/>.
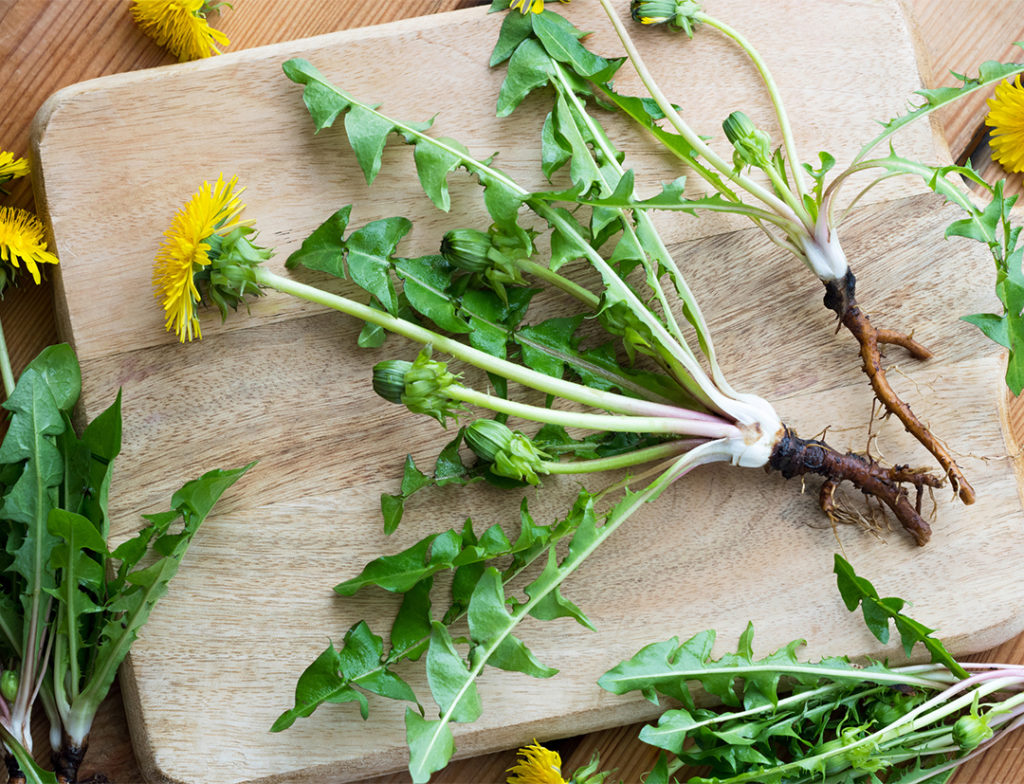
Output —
<point x="552" y="604"/>
<point x="451" y="684"/>
<point x="392" y="507"/>
<point x="994" y="327"/>
<point x="411" y="626"/>
<point x="369" y="257"/>
<point x="490" y="625"/>
<point x="515" y="28"/>
<point x="396" y="573"/>
<point x="878" y="612"/>
<point x="989" y="73"/>
<point x="321" y="682"/>
<point x="368" y="133"/>
<point x="561" y="41"/>
<point x="672" y="731"/>
<point x="324" y="249"/>
<point x="554" y="150"/>
<point x="434" y="162"/>
<point x="529" y="67"/>
<point x="427" y="282"/>
<point x="323" y="102"/>
<point x="431" y="746"/>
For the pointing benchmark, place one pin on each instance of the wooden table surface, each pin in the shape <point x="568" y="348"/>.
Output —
<point x="48" y="44"/>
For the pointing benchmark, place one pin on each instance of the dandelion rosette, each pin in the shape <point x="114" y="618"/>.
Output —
<point x="206" y="246"/>
<point x="22" y="240"/>
<point x="1006" y="119"/>
<point x="180" y="26"/>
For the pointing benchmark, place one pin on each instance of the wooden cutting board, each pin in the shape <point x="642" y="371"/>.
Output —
<point x="286" y="385"/>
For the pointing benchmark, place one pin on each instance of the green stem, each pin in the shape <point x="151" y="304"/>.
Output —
<point x="5" y="366"/>
<point x="573" y="559"/>
<point x="608" y="401"/>
<point x="681" y="360"/>
<point x="681" y="425"/>
<point x="565" y="89"/>
<point x="684" y="130"/>
<point x="636" y="457"/>
<point x="588" y="298"/>
<point x="773" y="93"/>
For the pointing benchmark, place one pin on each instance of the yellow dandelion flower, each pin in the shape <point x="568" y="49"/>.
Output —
<point x="1006" y="118"/>
<point x="537" y="765"/>
<point x="22" y="240"/>
<point x="185" y="251"/>
<point x="180" y="26"/>
<point x="11" y="167"/>
<point x="531" y="6"/>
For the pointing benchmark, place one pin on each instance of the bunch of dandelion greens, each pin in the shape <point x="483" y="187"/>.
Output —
<point x="71" y="607"/>
<point x="655" y="404"/>
<point x="782" y="719"/>
<point x="793" y="202"/>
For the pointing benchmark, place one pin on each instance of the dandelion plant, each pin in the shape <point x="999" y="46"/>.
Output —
<point x="71" y="607"/>
<point x="626" y="379"/>
<point x="794" y="202"/>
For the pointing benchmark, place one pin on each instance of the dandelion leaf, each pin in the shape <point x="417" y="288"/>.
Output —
<point x="324" y="249"/>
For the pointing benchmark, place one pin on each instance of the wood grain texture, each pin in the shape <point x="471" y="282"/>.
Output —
<point x="46" y="45"/>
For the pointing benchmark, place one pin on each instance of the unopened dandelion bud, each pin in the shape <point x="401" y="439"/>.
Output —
<point x="752" y="146"/>
<point x="426" y="388"/>
<point x="467" y="249"/>
<point x="487" y="437"/>
<point x="679" y="14"/>
<point x="511" y="454"/>
<point x="9" y="685"/>
<point x="389" y="379"/>
<point x="971" y="731"/>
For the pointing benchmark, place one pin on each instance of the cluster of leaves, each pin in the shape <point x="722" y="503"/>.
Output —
<point x="786" y="720"/>
<point x="71" y="608"/>
<point x="598" y="219"/>
<point x="363" y="666"/>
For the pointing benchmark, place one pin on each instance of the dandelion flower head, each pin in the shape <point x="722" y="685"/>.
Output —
<point x="11" y="167"/>
<point x="531" y="6"/>
<point x="22" y="241"/>
<point x="211" y="210"/>
<point x="537" y="765"/>
<point x="1006" y="118"/>
<point x="179" y="26"/>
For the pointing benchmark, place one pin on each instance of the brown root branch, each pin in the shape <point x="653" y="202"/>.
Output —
<point x="840" y="296"/>
<point x="795" y="456"/>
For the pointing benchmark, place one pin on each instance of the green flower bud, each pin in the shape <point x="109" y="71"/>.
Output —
<point x="678" y="14"/>
<point x="9" y="685"/>
<point x="467" y="249"/>
<point x="426" y="388"/>
<point x="857" y="757"/>
<point x="510" y="453"/>
<point x="389" y="379"/>
<point x="752" y="146"/>
<point x="491" y="256"/>
<point x="971" y="731"/>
